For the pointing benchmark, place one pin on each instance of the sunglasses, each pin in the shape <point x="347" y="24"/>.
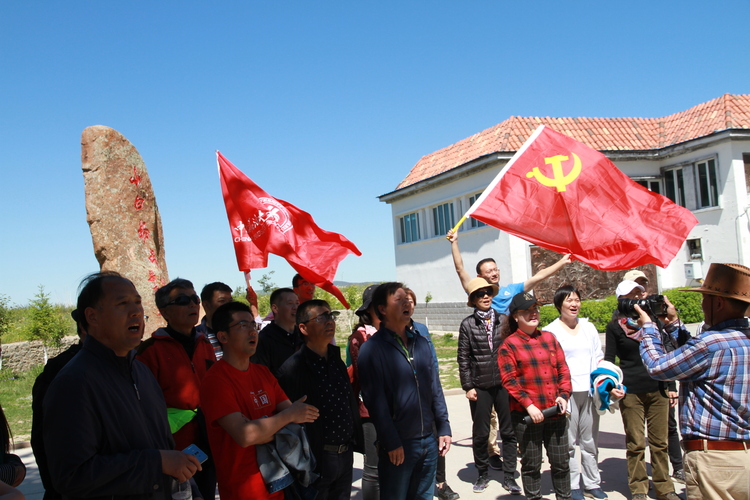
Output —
<point x="324" y="317"/>
<point x="184" y="300"/>
<point x="480" y="294"/>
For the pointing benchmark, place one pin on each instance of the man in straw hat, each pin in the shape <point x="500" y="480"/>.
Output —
<point x="714" y="370"/>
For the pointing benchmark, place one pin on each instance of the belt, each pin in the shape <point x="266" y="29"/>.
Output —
<point x="714" y="445"/>
<point x="336" y="448"/>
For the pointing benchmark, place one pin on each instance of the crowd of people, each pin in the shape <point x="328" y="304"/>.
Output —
<point x="270" y="408"/>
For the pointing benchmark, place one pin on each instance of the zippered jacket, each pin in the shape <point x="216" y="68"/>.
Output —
<point x="179" y="377"/>
<point x="106" y="423"/>
<point x="403" y="394"/>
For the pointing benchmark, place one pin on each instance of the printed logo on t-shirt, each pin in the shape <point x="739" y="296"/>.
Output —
<point x="260" y="399"/>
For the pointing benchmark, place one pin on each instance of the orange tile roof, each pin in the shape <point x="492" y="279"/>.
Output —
<point x="604" y="134"/>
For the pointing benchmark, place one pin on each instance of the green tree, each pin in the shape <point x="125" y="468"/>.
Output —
<point x="266" y="283"/>
<point x="46" y="322"/>
<point x="5" y="315"/>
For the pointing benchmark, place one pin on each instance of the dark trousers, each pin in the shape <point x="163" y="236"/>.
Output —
<point x="370" y="485"/>
<point x="335" y="469"/>
<point x="553" y="434"/>
<point x="481" y="409"/>
<point x="206" y="479"/>
<point x="675" y="450"/>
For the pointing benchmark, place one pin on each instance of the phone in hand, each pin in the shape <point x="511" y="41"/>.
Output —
<point x="196" y="452"/>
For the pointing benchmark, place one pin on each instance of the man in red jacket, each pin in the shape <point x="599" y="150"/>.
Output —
<point x="179" y="357"/>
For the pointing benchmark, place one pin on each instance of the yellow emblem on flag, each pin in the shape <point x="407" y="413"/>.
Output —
<point x="559" y="180"/>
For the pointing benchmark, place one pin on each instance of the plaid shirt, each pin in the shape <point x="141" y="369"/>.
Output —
<point x="714" y="370"/>
<point x="533" y="370"/>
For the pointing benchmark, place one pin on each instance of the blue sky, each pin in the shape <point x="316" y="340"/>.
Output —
<point x="324" y="104"/>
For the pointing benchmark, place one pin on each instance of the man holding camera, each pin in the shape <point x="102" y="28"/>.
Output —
<point x="714" y="370"/>
<point x="646" y="401"/>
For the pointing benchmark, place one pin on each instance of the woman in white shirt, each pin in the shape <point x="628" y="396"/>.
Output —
<point x="583" y="351"/>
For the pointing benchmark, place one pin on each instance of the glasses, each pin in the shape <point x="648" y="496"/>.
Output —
<point x="184" y="300"/>
<point x="325" y="317"/>
<point x="480" y="294"/>
<point x="245" y="325"/>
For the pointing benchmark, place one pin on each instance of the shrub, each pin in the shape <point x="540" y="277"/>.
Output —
<point x="599" y="312"/>
<point x="688" y="304"/>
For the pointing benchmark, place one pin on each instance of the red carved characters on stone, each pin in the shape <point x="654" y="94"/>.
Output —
<point x="143" y="232"/>
<point x="135" y="179"/>
<point x="152" y="256"/>
<point x="138" y="204"/>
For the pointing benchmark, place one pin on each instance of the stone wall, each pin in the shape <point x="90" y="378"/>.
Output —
<point x="21" y="356"/>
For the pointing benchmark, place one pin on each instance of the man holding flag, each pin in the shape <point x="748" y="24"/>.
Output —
<point x="487" y="269"/>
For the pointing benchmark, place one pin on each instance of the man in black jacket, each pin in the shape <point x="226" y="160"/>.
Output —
<point x="279" y="339"/>
<point x="41" y="385"/>
<point x="316" y="371"/>
<point x="109" y="437"/>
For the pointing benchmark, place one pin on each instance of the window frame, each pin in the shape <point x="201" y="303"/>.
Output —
<point x="409" y="226"/>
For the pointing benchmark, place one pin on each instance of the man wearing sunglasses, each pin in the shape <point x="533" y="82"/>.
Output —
<point x="179" y="356"/>
<point x="317" y="371"/>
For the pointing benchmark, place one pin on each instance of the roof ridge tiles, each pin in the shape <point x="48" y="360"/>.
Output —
<point x="604" y="133"/>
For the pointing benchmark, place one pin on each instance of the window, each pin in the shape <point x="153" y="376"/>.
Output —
<point x="442" y="217"/>
<point x="410" y="228"/>
<point x="651" y="185"/>
<point x="708" y="190"/>
<point x="674" y="186"/>
<point x="474" y="222"/>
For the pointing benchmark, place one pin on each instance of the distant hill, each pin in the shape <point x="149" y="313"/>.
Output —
<point x="348" y="283"/>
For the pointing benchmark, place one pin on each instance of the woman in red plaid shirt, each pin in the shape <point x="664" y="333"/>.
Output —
<point x="533" y="369"/>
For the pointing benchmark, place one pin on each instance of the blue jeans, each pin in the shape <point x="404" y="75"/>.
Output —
<point x="413" y="479"/>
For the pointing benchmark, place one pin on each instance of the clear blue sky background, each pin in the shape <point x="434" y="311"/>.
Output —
<point x="324" y="104"/>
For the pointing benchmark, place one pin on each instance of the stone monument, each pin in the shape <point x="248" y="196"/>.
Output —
<point x="122" y="214"/>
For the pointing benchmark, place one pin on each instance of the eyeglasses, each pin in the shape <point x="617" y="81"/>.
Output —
<point x="245" y="325"/>
<point x="184" y="300"/>
<point x="325" y="317"/>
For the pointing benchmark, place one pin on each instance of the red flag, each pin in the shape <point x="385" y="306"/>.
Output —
<point x="262" y="224"/>
<point x="564" y="196"/>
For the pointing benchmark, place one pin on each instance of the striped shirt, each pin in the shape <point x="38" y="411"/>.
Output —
<point x="714" y="370"/>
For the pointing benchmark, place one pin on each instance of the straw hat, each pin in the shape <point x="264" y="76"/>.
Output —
<point x="634" y="275"/>
<point x="477" y="284"/>
<point x="726" y="280"/>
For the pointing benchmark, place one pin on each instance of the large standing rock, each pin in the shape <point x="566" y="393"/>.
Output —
<point x="122" y="214"/>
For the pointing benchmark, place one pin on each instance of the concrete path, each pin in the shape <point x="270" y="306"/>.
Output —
<point x="460" y="463"/>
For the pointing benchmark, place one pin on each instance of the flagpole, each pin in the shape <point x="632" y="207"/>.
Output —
<point x="461" y="221"/>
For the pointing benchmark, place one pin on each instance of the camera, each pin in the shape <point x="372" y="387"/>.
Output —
<point x="653" y="305"/>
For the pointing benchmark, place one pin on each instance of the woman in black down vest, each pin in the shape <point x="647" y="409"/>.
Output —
<point x="479" y="339"/>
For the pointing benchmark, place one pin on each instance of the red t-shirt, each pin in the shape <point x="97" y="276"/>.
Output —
<point x="254" y="393"/>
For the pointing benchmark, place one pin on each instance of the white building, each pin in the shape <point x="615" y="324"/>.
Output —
<point x="699" y="158"/>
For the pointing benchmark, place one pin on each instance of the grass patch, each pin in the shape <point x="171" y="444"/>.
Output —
<point x="15" y="397"/>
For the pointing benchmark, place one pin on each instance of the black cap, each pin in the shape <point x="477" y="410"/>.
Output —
<point x="366" y="299"/>
<point x="521" y="302"/>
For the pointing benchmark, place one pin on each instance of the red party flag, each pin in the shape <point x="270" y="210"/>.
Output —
<point x="262" y="224"/>
<point x="564" y="196"/>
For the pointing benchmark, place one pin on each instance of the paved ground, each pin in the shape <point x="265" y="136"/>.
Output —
<point x="460" y="467"/>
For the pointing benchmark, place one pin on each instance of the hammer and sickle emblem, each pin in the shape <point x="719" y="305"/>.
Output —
<point x="559" y="180"/>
